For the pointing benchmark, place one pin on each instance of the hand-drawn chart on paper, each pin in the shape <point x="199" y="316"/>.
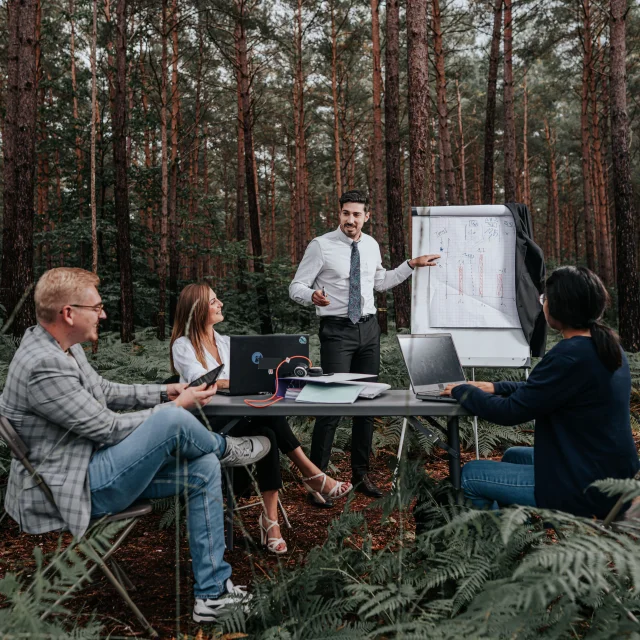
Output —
<point x="473" y="284"/>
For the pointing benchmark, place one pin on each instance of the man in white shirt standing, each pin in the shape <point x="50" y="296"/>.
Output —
<point x="338" y="274"/>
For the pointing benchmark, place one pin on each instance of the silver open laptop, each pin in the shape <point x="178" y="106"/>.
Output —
<point x="432" y="362"/>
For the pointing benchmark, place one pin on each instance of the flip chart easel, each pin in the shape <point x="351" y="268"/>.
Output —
<point x="475" y="284"/>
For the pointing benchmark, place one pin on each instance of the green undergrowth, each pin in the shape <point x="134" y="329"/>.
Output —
<point x="516" y="573"/>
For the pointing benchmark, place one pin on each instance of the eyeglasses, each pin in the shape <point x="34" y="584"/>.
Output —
<point x="94" y="307"/>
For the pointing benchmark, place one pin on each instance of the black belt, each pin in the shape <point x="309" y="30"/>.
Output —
<point x="347" y="320"/>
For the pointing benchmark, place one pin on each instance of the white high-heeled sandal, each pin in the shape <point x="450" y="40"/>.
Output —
<point x="271" y="544"/>
<point x="339" y="491"/>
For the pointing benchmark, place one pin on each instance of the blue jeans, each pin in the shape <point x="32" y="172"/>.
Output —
<point x="170" y="453"/>
<point x="510" y="481"/>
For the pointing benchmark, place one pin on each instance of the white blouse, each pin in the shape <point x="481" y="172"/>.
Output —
<point x="186" y="362"/>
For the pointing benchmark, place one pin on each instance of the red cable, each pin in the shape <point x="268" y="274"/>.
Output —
<point x="260" y="404"/>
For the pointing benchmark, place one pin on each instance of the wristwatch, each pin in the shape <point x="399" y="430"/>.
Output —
<point x="409" y="263"/>
<point x="164" y="396"/>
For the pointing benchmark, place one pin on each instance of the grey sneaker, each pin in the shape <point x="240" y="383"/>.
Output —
<point x="211" y="610"/>
<point x="241" y="452"/>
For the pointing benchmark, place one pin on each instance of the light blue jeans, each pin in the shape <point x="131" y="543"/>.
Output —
<point x="510" y="481"/>
<point x="168" y="454"/>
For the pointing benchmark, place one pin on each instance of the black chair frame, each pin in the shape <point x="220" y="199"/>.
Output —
<point x="105" y="561"/>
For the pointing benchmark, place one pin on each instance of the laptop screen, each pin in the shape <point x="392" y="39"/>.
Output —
<point x="431" y="359"/>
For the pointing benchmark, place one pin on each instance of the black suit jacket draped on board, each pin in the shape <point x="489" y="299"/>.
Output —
<point x="530" y="275"/>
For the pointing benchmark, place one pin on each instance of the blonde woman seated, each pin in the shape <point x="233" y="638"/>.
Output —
<point x="197" y="348"/>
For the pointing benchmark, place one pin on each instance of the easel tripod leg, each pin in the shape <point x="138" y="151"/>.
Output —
<point x="396" y="479"/>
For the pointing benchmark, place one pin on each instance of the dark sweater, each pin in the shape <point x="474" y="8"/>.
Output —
<point x="582" y="429"/>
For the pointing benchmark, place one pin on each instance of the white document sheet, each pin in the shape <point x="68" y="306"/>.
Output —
<point x="473" y="284"/>
<point x="332" y="379"/>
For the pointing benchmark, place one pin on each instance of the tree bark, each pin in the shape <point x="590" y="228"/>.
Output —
<point x="627" y="256"/>
<point x="174" y="217"/>
<point x="463" y="174"/>
<point x="553" y="215"/>
<point x="302" y="189"/>
<point x="121" y="186"/>
<point x="418" y="81"/>
<point x="94" y="117"/>
<point x="526" y="174"/>
<point x="509" y="115"/>
<point x="377" y="159"/>
<point x="240" y="177"/>
<point x="599" y="192"/>
<point x="395" y="219"/>
<point x="264" y="311"/>
<point x="76" y="126"/>
<point x="163" y="258"/>
<point x="334" y="95"/>
<point x="446" y="159"/>
<point x="19" y="148"/>
<point x="587" y="194"/>
<point x="490" y="117"/>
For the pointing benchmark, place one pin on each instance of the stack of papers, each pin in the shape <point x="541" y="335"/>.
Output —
<point x="292" y="393"/>
<point x="369" y="389"/>
<point x="329" y="393"/>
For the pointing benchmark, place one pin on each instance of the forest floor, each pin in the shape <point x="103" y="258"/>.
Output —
<point x="158" y="561"/>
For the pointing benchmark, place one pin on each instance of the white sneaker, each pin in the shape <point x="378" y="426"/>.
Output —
<point x="210" y="610"/>
<point x="241" y="452"/>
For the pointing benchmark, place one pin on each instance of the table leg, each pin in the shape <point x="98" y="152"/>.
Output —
<point x="455" y="470"/>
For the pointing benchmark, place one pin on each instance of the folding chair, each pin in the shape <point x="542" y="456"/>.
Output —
<point x="105" y="562"/>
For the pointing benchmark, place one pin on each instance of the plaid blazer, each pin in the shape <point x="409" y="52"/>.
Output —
<point x="63" y="412"/>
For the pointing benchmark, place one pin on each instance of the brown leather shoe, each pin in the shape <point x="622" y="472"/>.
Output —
<point x="362" y="484"/>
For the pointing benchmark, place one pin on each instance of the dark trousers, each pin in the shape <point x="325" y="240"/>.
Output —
<point x="347" y="348"/>
<point x="278" y="431"/>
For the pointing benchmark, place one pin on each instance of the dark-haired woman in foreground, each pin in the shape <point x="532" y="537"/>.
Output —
<point x="579" y="397"/>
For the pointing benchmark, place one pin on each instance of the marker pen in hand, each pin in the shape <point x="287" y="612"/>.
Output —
<point x="324" y="295"/>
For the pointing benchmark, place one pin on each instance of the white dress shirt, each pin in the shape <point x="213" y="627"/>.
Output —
<point x="327" y="263"/>
<point x="186" y="362"/>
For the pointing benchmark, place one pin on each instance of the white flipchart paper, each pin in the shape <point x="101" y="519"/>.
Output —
<point x="473" y="284"/>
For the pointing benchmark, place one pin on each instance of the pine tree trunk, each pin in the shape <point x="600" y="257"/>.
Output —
<point x="76" y="126"/>
<point x="554" y="212"/>
<point x="121" y="186"/>
<point x="418" y="81"/>
<point x="377" y="159"/>
<point x="94" y="118"/>
<point x="302" y="188"/>
<point x="463" y="174"/>
<point x="174" y="216"/>
<point x="401" y="294"/>
<point x="490" y="117"/>
<point x="264" y="311"/>
<point x="526" y="175"/>
<point x="627" y="251"/>
<point x="587" y="194"/>
<point x="443" y="111"/>
<point x="163" y="258"/>
<point x="19" y="148"/>
<point x="599" y="191"/>
<point x="240" y="177"/>
<point x="509" y="115"/>
<point x="334" y="95"/>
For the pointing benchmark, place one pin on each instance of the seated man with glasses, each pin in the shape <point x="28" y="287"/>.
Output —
<point x="97" y="461"/>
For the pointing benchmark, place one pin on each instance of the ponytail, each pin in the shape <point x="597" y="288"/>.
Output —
<point x="607" y="346"/>
<point x="577" y="299"/>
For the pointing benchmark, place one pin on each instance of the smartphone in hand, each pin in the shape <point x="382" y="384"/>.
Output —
<point x="209" y="378"/>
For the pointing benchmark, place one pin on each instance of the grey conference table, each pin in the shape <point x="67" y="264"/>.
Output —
<point x="395" y="403"/>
